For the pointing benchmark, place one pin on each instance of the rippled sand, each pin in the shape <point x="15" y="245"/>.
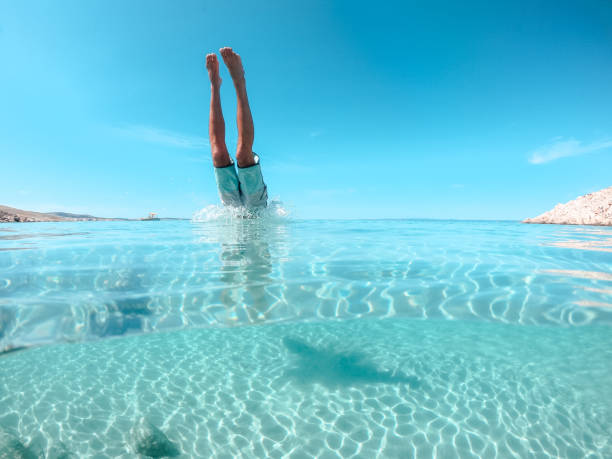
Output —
<point x="370" y="388"/>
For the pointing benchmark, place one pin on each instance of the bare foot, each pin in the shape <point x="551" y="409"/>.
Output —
<point x="234" y="64"/>
<point x="212" y="64"/>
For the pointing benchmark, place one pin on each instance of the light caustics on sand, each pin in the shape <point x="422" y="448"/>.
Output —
<point x="391" y="388"/>
<point x="509" y="356"/>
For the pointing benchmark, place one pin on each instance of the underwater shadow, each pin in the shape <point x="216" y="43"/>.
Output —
<point x="334" y="369"/>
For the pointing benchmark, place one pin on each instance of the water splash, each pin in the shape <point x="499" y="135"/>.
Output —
<point x="275" y="211"/>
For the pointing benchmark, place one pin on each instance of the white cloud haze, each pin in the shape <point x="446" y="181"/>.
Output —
<point x="564" y="148"/>
<point x="163" y="137"/>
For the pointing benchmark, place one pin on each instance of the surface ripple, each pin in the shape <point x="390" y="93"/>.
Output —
<point x="86" y="280"/>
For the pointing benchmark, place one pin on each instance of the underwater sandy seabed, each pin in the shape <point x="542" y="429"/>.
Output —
<point x="392" y="388"/>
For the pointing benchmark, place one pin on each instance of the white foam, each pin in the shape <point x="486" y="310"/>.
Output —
<point x="275" y="210"/>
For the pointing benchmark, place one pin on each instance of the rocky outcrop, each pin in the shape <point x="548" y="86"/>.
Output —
<point x="11" y="215"/>
<point x="12" y="447"/>
<point x="591" y="209"/>
<point x="152" y="442"/>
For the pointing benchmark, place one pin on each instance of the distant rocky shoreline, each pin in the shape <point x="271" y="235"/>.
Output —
<point x="591" y="209"/>
<point x="11" y="214"/>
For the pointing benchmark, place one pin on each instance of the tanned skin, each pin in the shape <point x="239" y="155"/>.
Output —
<point x="216" y="125"/>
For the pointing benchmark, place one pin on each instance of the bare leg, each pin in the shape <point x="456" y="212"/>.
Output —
<point x="216" y="123"/>
<point x="246" y="130"/>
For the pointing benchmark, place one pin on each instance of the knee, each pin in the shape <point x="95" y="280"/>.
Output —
<point x="221" y="158"/>
<point x="245" y="157"/>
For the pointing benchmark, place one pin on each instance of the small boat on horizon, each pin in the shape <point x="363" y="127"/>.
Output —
<point x="152" y="216"/>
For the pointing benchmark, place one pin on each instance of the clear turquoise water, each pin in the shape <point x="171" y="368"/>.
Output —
<point x="281" y="338"/>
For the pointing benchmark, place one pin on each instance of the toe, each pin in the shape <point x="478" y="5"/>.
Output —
<point x="226" y="52"/>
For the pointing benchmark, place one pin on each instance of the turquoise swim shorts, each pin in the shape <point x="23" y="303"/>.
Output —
<point x="245" y="188"/>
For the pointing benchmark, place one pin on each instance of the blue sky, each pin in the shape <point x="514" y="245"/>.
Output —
<point x="432" y="109"/>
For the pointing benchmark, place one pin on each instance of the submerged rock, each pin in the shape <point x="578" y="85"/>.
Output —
<point x="12" y="448"/>
<point x="59" y="451"/>
<point x="591" y="209"/>
<point x="7" y="318"/>
<point x="152" y="442"/>
<point x="10" y="349"/>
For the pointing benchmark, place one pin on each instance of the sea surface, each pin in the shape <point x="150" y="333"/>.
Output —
<point x="276" y="337"/>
